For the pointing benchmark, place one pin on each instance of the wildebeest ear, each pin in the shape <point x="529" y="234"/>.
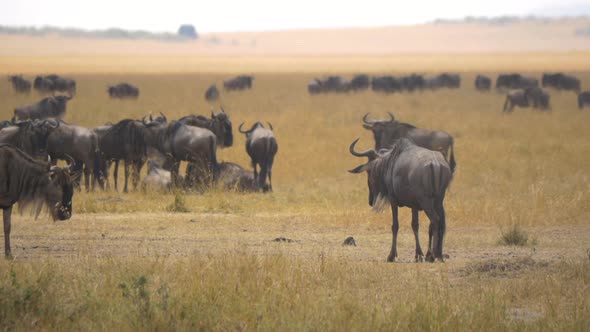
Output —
<point x="368" y="127"/>
<point x="359" y="169"/>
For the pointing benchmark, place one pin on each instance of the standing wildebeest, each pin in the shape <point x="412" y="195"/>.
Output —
<point x="314" y="87"/>
<point x="81" y="144"/>
<point x="184" y="143"/>
<point x="123" y="90"/>
<point x="444" y="80"/>
<point x="236" y="178"/>
<point x="123" y="141"/>
<point x="386" y="84"/>
<point x="19" y="84"/>
<point x="535" y="97"/>
<point x="212" y="93"/>
<point x="219" y="124"/>
<point x="413" y="82"/>
<point x="386" y="132"/>
<point x="50" y="107"/>
<point x="412" y="176"/>
<point x="483" y="83"/>
<point x="360" y="82"/>
<point x="262" y="147"/>
<point x="583" y="99"/>
<point x="29" y="136"/>
<point x="33" y="184"/>
<point x="561" y="81"/>
<point x="6" y="123"/>
<point x="54" y="83"/>
<point x="241" y="82"/>
<point x="515" y="81"/>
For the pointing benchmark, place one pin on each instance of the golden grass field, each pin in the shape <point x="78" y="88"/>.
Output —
<point x="123" y="262"/>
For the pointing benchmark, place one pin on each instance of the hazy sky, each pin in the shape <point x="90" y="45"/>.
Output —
<point x="239" y="15"/>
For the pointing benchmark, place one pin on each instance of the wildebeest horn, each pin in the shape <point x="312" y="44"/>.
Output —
<point x="222" y="110"/>
<point x="164" y="117"/>
<point x="71" y="163"/>
<point x="240" y="129"/>
<point x="151" y="117"/>
<point x="391" y="116"/>
<point x="143" y="120"/>
<point x="269" y="125"/>
<point x="371" y="154"/>
<point x="53" y="126"/>
<point x="367" y="121"/>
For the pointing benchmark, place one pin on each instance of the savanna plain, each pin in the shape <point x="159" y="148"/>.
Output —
<point x="135" y="262"/>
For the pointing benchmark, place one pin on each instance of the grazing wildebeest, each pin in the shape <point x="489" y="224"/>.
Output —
<point x="262" y="147"/>
<point x="314" y="87"/>
<point x="29" y="136"/>
<point x="412" y="176"/>
<point x="583" y="99"/>
<point x="535" y="97"/>
<point x="413" y="82"/>
<point x="386" y="132"/>
<point x="219" y="124"/>
<point x="81" y="144"/>
<point x="234" y="177"/>
<point x="123" y="90"/>
<point x="19" y="84"/>
<point x="184" y="143"/>
<point x="334" y="84"/>
<point x="212" y="93"/>
<point x="32" y="184"/>
<point x="561" y="81"/>
<point x="387" y="84"/>
<point x="50" y="107"/>
<point x="483" y="83"/>
<point x="444" y="80"/>
<point x="54" y="83"/>
<point x="360" y="82"/>
<point x="241" y="82"/>
<point x="515" y="81"/>
<point x="157" y="178"/>
<point x="123" y="141"/>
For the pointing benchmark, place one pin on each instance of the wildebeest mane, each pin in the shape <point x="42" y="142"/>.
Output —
<point x="127" y="132"/>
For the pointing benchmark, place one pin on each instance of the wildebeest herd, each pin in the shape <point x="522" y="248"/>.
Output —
<point x="521" y="91"/>
<point x="408" y="167"/>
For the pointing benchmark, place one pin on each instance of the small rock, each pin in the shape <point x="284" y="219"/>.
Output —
<point x="349" y="242"/>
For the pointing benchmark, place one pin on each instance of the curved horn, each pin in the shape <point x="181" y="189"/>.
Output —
<point x="151" y="117"/>
<point x="240" y="129"/>
<point x="371" y="154"/>
<point x="164" y="117"/>
<point x="50" y="125"/>
<point x="222" y="110"/>
<point x="71" y="163"/>
<point x="270" y="125"/>
<point x="143" y="120"/>
<point x="391" y="116"/>
<point x="367" y="121"/>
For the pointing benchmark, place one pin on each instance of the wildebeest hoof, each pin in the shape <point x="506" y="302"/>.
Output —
<point x="419" y="258"/>
<point x="9" y="257"/>
<point x="429" y="257"/>
<point x="283" y="239"/>
<point x="390" y="259"/>
<point x="349" y="242"/>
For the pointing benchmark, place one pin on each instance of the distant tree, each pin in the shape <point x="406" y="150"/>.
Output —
<point x="187" y="31"/>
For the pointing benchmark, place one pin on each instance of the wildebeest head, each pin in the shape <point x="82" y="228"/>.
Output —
<point x="372" y="177"/>
<point x="33" y="136"/>
<point x="222" y="124"/>
<point x="60" y="191"/>
<point x="383" y="130"/>
<point x="158" y="119"/>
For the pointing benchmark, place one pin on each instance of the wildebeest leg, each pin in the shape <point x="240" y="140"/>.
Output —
<point x="7" y="225"/>
<point x="262" y="175"/>
<point x="126" y="165"/>
<point x="86" y="177"/>
<point x="270" y="175"/>
<point x="135" y="177"/>
<point x="255" y="171"/>
<point x="435" y="231"/>
<point x="116" y="175"/>
<point x="394" y="229"/>
<point x="415" y="227"/>
<point x="442" y="229"/>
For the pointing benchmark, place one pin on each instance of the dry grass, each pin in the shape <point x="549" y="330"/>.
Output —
<point x="124" y="262"/>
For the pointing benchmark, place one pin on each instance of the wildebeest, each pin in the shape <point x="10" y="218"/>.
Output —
<point x="413" y="82"/>
<point x="50" y="107"/>
<point x="212" y="93"/>
<point x="5" y="123"/>
<point x="81" y="144"/>
<point x="561" y="81"/>
<point x="32" y="184"/>
<point x="583" y="99"/>
<point x="157" y="178"/>
<point x="123" y="141"/>
<point x="262" y="147"/>
<point x="54" y="83"/>
<point x="387" y="84"/>
<point x="386" y="132"/>
<point x="535" y="97"/>
<point x="444" y="80"/>
<point x="29" y="136"/>
<point x="241" y="82"/>
<point x="360" y="82"/>
<point x="483" y="83"/>
<point x="184" y="143"/>
<point x="219" y="124"/>
<point x="314" y="87"/>
<point x="19" y="84"/>
<point x="515" y="81"/>
<point x="123" y="90"/>
<point x="333" y="84"/>
<point x="234" y="177"/>
<point x="412" y="176"/>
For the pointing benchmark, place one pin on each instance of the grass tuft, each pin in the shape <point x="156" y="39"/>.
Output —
<point x="514" y="236"/>
<point x="178" y="205"/>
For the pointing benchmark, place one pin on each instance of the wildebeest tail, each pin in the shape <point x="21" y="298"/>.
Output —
<point x="438" y="181"/>
<point x="452" y="162"/>
<point x="213" y="157"/>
